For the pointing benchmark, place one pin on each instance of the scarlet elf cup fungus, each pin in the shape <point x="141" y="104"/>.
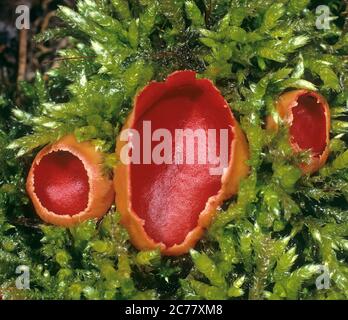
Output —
<point x="308" y="115"/>
<point x="167" y="202"/>
<point x="66" y="183"/>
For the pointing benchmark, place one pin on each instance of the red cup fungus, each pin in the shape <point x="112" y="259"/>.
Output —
<point x="308" y="115"/>
<point x="169" y="204"/>
<point x="66" y="183"/>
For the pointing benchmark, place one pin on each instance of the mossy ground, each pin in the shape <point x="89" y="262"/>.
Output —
<point x="272" y="240"/>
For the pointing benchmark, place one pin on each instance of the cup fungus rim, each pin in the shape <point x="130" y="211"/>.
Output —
<point x="284" y="110"/>
<point x="70" y="144"/>
<point x="87" y="170"/>
<point x="239" y="153"/>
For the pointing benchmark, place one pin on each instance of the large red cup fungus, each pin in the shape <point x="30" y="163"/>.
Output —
<point x="168" y="205"/>
<point x="308" y="115"/>
<point x="66" y="183"/>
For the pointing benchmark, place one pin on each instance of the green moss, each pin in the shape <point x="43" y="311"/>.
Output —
<point x="269" y="242"/>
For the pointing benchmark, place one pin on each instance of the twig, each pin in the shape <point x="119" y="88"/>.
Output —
<point x="208" y="12"/>
<point x="68" y="58"/>
<point x="46" y="20"/>
<point x="26" y="222"/>
<point x="22" y="55"/>
<point x="345" y="14"/>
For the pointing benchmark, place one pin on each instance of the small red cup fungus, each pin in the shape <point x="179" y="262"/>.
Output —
<point x="66" y="183"/>
<point x="169" y="204"/>
<point x="308" y="115"/>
